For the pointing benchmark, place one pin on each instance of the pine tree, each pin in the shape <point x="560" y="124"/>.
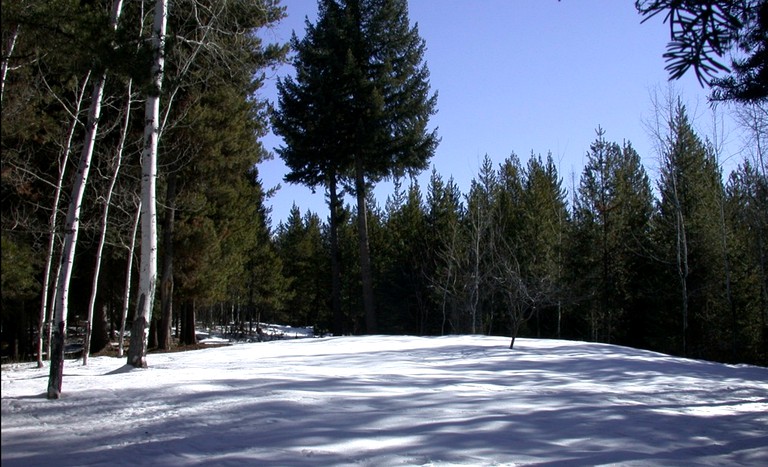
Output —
<point x="593" y="214"/>
<point x="545" y="222"/>
<point x="480" y="231"/>
<point x="612" y="215"/>
<point x="703" y="33"/>
<point x="687" y="235"/>
<point x="747" y="208"/>
<point x="507" y="264"/>
<point x="632" y="247"/>
<point x="300" y="247"/>
<point x="403" y="284"/>
<point x="444" y="212"/>
<point x="358" y="109"/>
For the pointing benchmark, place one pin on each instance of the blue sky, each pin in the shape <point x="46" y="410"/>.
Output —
<point x="520" y="76"/>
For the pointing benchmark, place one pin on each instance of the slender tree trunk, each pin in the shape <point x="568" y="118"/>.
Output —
<point x="559" y="269"/>
<point x="445" y="299"/>
<point x="681" y="254"/>
<point x="727" y="266"/>
<point x="166" y="282"/>
<point x="682" y="269"/>
<point x="103" y="234"/>
<point x="338" y="317"/>
<point x="139" y="331"/>
<point x="515" y="329"/>
<point x="70" y="243"/>
<point x="128" y="270"/>
<point x="365" y="255"/>
<point x="478" y="227"/>
<point x="44" y="296"/>
<point x="450" y="257"/>
<point x="9" y="51"/>
<point x="51" y="301"/>
<point x="73" y="227"/>
<point x="764" y="287"/>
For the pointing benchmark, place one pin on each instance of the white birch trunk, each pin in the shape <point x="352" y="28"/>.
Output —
<point x="72" y="228"/>
<point x="44" y="298"/>
<point x="103" y="234"/>
<point x="128" y="269"/>
<point x="148" y="273"/>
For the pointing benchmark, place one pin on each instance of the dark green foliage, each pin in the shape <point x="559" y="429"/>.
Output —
<point x="543" y="231"/>
<point x="703" y="33"/>
<point x="444" y="212"/>
<point x="304" y="257"/>
<point x="404" y="292"/>
<point x="749" y="80"/>
<point x="687" y="236"/>
<point x="358" y="109"/>
<point x="747" y="213"/>
<point x="612" y="215"/>
<point x="19" y="286"/>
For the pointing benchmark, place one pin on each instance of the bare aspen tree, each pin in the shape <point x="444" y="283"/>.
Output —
<point x="523" y="293"/>
<point x="103" y="228"/>
<point x="72" y="228"/>
<point x="53" y="220"/>
<point x="447" y="283"/>
<point x="148" y="272"/>
<point x="681" y="248"/>
<point x="661" y="130"/>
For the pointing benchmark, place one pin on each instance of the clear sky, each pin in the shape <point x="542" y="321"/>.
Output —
<point x="520" y="76"/>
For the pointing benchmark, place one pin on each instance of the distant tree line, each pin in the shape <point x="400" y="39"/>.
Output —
<point x="676" y="264"/>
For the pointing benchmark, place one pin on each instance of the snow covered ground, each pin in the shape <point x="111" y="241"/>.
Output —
<point x="390" y="401"/>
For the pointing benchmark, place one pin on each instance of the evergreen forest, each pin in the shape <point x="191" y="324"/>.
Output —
<point x="677" y="263"/>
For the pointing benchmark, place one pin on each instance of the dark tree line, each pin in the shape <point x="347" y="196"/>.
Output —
<point x="679" y="268"/>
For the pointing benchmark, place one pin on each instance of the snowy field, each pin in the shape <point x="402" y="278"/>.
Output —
<point x="386" y="401"/>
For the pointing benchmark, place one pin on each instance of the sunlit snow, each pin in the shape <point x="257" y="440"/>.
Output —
<point x="374" y="400"/>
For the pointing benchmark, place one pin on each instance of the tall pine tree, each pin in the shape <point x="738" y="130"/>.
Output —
<point x="359" y="107"/>
<point x="688" y="238"/>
